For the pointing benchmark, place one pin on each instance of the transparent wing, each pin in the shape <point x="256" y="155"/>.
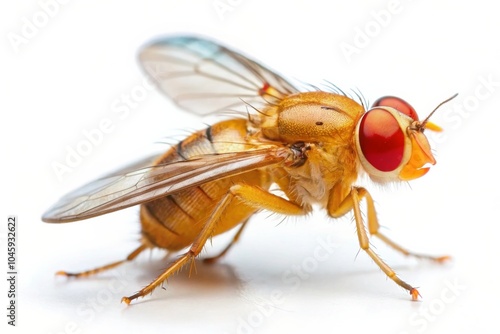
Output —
<point x="129" y="187"/>
<point x="204" y="77"/>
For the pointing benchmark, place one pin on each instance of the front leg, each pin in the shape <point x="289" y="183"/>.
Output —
<point x="337" y="208"/>
<point x="374" y="226"/>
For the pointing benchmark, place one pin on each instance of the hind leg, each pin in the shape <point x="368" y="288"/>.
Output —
<point x="94" y="271"/>
<point x="240" y="193"/>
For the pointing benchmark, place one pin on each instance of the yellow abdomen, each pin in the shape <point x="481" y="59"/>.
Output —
<point x="173" y="222"/>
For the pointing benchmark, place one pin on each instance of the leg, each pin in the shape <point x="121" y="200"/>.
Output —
<point x="345" y="204"/>
<point x="130" y="257"/>
<point x="249" y="195"/>
<point x="211" y="260"/>
<point x="352" y="201"/>
<point x="373" y="228"/>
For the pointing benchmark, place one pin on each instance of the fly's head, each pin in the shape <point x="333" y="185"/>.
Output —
<point x="391" y="143"/>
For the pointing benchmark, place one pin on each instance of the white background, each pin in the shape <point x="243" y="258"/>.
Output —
<point x="68" y="73"/>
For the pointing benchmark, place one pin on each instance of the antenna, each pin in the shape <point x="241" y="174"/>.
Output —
<point x="422" y="125"/>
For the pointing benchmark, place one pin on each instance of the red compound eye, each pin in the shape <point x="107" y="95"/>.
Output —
<point x="398" y="104"/>
<point x="381" y="139"/>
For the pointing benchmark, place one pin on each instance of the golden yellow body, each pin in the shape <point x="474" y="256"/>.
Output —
<point x="312" y="145"/>
<point x="173" y="222"/>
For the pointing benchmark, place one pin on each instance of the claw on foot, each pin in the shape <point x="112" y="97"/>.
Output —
<point x="443" y="259"/>
<point x="126" y="300"/>
<point x="415" y="294"/>
<point x="65" y="273"/>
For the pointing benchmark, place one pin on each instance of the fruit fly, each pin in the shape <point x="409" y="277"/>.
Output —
<point x="313" y="144"/>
